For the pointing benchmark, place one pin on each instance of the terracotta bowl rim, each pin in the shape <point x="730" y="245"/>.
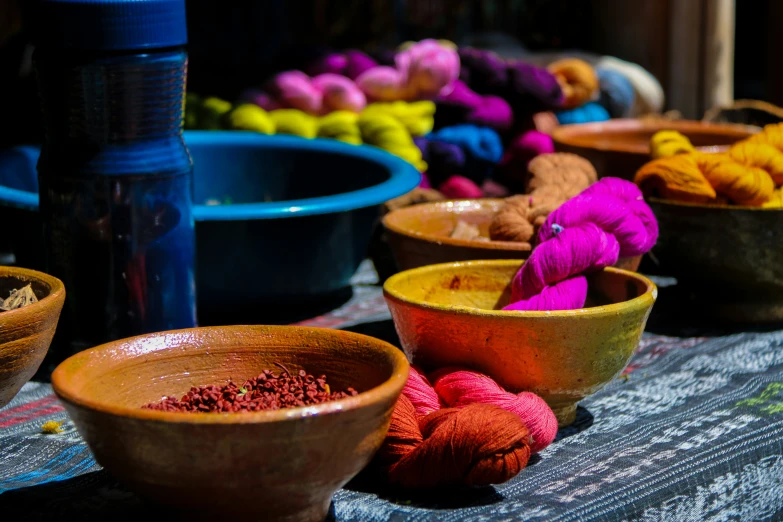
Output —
<point x="56" y="291"/>
<point x="565" y="134"/>
<point x="444" y="207"/>
<point x="645" y="300"/>
<point x="710" y="206"/>
<point x="62" y="385"/>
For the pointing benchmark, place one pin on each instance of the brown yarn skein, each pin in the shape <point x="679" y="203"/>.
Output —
<point x="552" y="180"/>
<point x="476" y="445"/>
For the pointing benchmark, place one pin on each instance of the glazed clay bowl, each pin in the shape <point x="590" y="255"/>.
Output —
<point x="419" y="235"/>
<point x="284" y="465"/>
<point x="26" y="333"/>
<point x="620" y="147"/>
<point x="450" y="314"/>
<point x="729" y="257"/>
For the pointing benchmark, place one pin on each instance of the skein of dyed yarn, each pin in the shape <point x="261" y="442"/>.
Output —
<point x="587" y="113"/>
<point x="462" y="105"/>
<point x="443" y="159"/>
<point x="422" y="72"/>
<point x="551" y="180"/>
<point x="617" y="95"/>
<point x="649" y="96"/>
<point x="482" y="146"/>
<point x="319" y="95"/>
<point x="703" y="178"/>
<point x="666" y="143"/>
<point x="351" y="64"/>
<point x="524" y="86"/>
<point x="386" y="132"/>
<point x="460" y="187"/>
<point x="485" y="438"/>
<point x="586" y="233"/>
<point x="418" y="117"/>
<point x="578" y="80"/>
<point x="204" y="113"/>
<point x="512" y="170"/>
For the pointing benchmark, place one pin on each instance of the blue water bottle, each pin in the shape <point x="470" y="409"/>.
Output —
<point x="115" y="176"/>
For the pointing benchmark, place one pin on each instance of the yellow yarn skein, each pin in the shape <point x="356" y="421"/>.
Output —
<point x="418" y="117"/>
<point x="759" y="154"/>
<point x="296" y="122"/>
<point x="340" y="125"/>
<point x="250" y="117"/>
<point x="771" y="134"/>
<point x="776" y="201"/>
<point x="388" y="133"/>
<point x="667" y="143"/>
<point x="211" y="112"/>
<point x="700" y="178"/>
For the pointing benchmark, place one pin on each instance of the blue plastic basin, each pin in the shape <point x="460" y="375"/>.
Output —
<point x="299" y="224"/>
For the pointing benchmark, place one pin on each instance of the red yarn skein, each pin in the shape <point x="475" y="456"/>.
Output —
<point x="476" y="445"/>
<point x="458" y="388"/>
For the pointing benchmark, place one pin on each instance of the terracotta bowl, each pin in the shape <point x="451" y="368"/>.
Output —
<point x="620" y="147"/>
<point x="419" y="235"/>
<point x="284" y="465"/>
<point x="26" y="333"/>
<point x="728" y="256"/>
<point x="449" y="314"/>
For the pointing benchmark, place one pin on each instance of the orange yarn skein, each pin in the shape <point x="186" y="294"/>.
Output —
<point x="476" y="445"/>
<point x="578" y="80"/>
<point x="759" y="154"/>
<point x="701" y="178"/>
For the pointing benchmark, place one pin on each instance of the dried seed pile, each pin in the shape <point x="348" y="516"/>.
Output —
<point x="265" y="392"/>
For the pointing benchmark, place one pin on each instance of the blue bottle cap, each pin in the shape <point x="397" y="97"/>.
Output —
<point x="111" y="25"/>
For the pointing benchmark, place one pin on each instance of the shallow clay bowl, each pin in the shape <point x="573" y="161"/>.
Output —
<point x="26" y="333"/>
<point x="276" y="465"/>
<point x="419" y="235"/>
<point x="620" y="147"/>
<point x="450" y="314"/>
<point x="728" y="256"/>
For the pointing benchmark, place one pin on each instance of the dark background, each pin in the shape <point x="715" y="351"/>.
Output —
<point x="238" y="44"/>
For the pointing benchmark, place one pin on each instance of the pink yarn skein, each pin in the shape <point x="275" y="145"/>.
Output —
<point x="460" y="187"/>
<point x="320" y="95"/>
<point x="339" y="93"/>
<point x="428" y="68"/>
<point x="587" y="233"/>
<point x="422" y="72"/>
<point x="295" y="90"/>
<point x="458" y="387"/>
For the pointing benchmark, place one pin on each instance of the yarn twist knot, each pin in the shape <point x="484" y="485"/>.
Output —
<point x="577" y="79"/>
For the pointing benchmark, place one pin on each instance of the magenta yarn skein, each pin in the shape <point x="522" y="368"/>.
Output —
<point x="460" y="187"/>
<point x="587" y="233"/>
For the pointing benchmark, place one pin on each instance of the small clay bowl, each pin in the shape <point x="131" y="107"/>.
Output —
<point x="277" y="465"/>
<point x="419" y="235"/>
<point x="729" y="257"/>
<point x="620" y="147"/>
<point x="450" y="314"/>
<point x="26" y="333"/>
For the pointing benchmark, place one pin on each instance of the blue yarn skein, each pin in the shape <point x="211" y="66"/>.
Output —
<point x="617" y="93"/>
<point x="482" y="146"/>
<point x="589" y="112"/>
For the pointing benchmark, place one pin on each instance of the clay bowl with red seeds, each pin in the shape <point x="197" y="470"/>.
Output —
<point x="281" y="465"/>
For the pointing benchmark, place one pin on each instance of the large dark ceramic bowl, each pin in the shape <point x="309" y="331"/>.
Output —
<point x="728" y="257"/>
<point x="299" y="223"/>
<point x="620" y="147"/>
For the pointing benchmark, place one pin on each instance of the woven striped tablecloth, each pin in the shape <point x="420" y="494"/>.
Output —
<point x="693" y="431"/>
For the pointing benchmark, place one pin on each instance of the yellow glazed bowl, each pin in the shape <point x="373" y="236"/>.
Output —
<point x="449" y="315"/>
